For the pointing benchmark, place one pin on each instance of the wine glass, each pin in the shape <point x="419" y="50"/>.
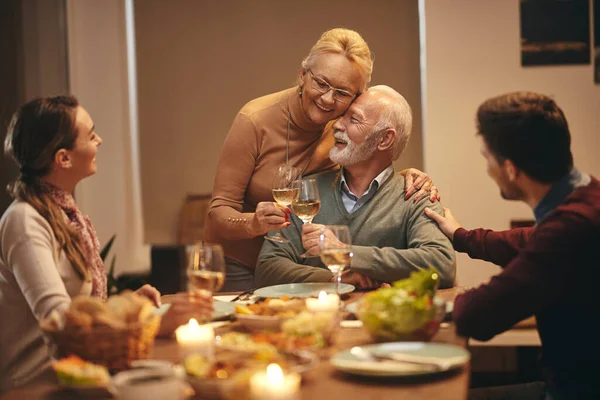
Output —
<point x="336" y="252"/>
<point x="284" y="193"/>
<point x="206" y="267"/>
<point x="307" y="204"/>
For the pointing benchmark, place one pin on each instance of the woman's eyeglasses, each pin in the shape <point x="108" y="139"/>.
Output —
<point x="339" y="95"/>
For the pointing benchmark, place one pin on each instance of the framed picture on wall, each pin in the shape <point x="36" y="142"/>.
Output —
<point x="555" y="32"/>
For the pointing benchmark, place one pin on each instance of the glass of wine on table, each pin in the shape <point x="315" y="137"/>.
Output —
<point x="206" y="267"/>
<point x="336" y="250"/>
<point x="284" y="193"/>
<point x="307" y="204"/>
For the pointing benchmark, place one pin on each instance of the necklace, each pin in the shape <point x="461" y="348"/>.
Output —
<point x="287" y="148"/>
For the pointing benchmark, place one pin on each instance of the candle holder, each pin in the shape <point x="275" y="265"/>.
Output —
<point x="274" y="384"/>
<point x="193" y="338"/>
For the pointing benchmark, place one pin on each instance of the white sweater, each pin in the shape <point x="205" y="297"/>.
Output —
<point x="35" y="279"/>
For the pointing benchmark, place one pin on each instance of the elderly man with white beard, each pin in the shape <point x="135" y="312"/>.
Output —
<point x="391" y="236"/>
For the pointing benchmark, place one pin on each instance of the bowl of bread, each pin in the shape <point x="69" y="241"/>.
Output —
<point x="112" y="333"/>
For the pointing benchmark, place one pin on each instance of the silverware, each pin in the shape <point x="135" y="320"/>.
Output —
<point x="246" y="295"/>
<point x="364" y="354"/>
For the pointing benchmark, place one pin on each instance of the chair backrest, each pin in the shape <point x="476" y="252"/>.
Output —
<point x="192" y="218"/>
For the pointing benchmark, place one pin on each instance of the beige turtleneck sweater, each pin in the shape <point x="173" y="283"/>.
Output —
<point x="254" y="147"/>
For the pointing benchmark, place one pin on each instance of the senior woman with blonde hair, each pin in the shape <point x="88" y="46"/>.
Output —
<point x="284" y="127"/>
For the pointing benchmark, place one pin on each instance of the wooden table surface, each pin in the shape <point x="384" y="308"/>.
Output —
<point x="324" y="382"/>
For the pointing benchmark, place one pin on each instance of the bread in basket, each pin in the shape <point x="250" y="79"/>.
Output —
<point x="112" y="333"/>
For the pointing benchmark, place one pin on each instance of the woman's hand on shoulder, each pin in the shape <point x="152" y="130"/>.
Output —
<point x="419" y="184"/>
<point x="269" y="216"/>
<point x="184" y="306"/>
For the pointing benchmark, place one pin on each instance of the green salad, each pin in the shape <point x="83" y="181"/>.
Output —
<point x="404" y="311"/>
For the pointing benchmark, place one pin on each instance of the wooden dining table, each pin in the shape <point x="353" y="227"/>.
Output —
<point x="324" y="381"/>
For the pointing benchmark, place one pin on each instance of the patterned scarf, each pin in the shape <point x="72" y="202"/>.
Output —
<point x="87" y="234"/>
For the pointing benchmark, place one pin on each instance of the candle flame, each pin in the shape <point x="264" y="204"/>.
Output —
<point x="322" y="296"/>
<point x="193" y="323"/>
<point x="274" y="374"/>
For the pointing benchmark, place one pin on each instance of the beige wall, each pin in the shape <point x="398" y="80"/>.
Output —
<point x="472" y="53"/>
<point x="200" y="61"/>
<point x="100" y="58"/>
<point x="33" y="63"/>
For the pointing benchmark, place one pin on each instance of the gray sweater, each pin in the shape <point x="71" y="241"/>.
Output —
<point x="391" y="237"/>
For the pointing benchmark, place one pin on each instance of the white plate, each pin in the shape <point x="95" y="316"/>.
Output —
<point x="222" y="309"/>
<point x="446" y="356"/>
<point x="301" y="289"/>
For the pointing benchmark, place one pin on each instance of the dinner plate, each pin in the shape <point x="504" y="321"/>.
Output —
<point x="222" y="309"/>
<point x="445" y="356"/>
<point x="301" y="289"/>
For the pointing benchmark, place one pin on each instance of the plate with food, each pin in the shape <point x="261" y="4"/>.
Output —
<point x="266" y="342"/>
<point x="83" y="377"/>
<point x="268" y="314"/>
<point x="302" y="289"/>
<point x="400" y="359"/>
<point x="223" y="310"/>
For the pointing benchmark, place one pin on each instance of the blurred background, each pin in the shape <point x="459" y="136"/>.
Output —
<point x="164" y="79"/>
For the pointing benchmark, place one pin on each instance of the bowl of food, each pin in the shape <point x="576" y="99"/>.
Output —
<point x="406" y="311"/>
<point x="269" y="314"/>
<point x="229" y="373"/>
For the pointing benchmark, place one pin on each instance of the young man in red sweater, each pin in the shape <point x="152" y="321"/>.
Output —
<point x="551" y="270"/>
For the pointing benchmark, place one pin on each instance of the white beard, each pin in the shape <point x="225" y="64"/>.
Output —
<point x="353" y="153"/>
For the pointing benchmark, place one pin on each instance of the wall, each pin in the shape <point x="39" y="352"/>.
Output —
<point x="10" y="85"/>
<point x="472" y="53"/>
<point x="34" y="63"/>
<point x="200" y="61"/>
<point x="100" y="63"/>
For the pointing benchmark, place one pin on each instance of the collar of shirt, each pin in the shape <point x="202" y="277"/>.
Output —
<point x="353" y="202"/>
<point x="559" y="192"/>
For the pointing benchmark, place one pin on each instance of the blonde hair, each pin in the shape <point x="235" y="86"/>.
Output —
<point x="346" y="42"/>
<point x="36" y="132"/>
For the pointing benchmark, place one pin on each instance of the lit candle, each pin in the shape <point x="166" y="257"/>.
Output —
<point x="274" y="384"/>
<point x="325" y="302"/>
<point x="194" y="338"/>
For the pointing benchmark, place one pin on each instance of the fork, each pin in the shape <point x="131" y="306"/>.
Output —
<point x="245" y="295"/>
<point x="367" y="355"/>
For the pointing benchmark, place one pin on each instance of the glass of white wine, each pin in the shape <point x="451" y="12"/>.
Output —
<point x="206" y="267"/>
<point x="336" y="250"/>
<point x="284" y="193"/>
<point x="307" y="203"/>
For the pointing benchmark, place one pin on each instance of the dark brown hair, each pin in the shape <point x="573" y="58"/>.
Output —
<point x="530" y="130"/>
<point x="36" y="132"/>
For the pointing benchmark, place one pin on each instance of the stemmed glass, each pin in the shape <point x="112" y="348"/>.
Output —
<point x="284" y="193"/>
<point x="307" y="204"/>
<point x="336" y="252"/>
<point x="206" y="267"/>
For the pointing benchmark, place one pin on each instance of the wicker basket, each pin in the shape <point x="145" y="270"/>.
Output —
<point x="113" y="348"/>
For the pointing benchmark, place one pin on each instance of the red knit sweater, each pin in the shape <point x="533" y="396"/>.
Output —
<point x="551" y="271"/>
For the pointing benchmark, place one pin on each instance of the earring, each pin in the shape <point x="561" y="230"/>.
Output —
<point x="300" y="92"/>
